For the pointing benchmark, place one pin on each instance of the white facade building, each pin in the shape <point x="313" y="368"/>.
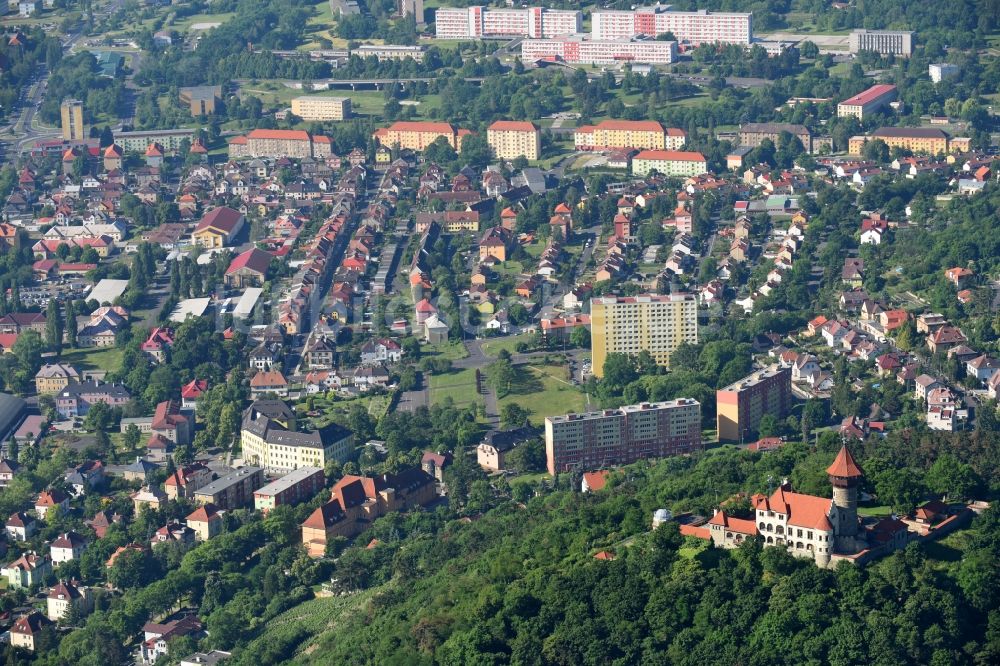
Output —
<point x="472" y="22"/>
<point x="700" y="27"/>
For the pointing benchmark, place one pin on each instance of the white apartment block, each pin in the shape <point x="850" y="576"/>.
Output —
<point x="472" y="22"/>
<point x="314" y="107"/>
<point x="941" y="71"/>
<point x="599" y="52"/>
<point x="700" y="27"/>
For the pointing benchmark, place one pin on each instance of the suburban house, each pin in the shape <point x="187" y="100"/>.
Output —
<point x="65" y="595"/>
<point x="26" y="630"/>
<point x="66" y="547"/>
<point x="77" y="398"/>
<point x="206" y="521"/>
<point x="27" y="570"/>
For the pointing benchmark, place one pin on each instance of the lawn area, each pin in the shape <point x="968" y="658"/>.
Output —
<point x="330" y="410"/>
<point x="186" y="22"/>
<point x="94" y="358"/>
<point x="532" y="478"/>
<point x="459" y="385"/>
<point x="950" y="549"/>
<point x="451" y="351"/>
<point x="543" y="390"/>
<point x="494" y="346"/>
<point x="875" y="510"/>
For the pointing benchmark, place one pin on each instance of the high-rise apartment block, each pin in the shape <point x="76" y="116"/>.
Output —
<point x="73" y="129"/>
<point x="510" y="139"/>
<point x="700" y="27"/>
<point x="314" y="107"/>
<point x="577" y="442"/>
<point x="655" y="323"/>
<point x="472" y="22"/>
<point x="886" y="42"/>
<point x="740" y="406"/>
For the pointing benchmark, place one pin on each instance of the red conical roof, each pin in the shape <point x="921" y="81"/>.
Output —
<point x="844" y="466"/>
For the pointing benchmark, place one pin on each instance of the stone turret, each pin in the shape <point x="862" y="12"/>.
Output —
<point x="845" y="477"/>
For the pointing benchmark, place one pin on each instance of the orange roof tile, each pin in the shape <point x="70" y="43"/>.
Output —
<point x="844" y="466"/>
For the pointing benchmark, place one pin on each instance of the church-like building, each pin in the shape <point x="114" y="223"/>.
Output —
<point x="824" y="530"/>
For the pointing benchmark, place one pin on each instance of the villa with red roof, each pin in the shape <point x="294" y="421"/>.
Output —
<point x="155" y="346"/>
<point x="191" y="391"/>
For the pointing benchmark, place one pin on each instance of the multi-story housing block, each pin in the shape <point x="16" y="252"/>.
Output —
<point x="621" y="436"/>
<point x="632" y="324"/>
<point x="741" y="405"/>
<point x="511" y="139"/>
<point x="700" y="27"/>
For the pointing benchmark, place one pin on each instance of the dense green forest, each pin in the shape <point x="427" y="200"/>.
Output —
<point x="519" y="584"/>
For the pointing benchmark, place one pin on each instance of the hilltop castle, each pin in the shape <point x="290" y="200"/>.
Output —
<point x="825" y="530"/>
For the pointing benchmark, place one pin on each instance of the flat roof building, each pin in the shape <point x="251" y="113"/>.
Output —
<point x="885" y="42"/>
<point x="595" y="440"/>
<point x="632" y="324"/>
<point x="587" y="51"/>
<point x="698" y="27"/>
<point x="316" y="107"/>
<point x="233" y="491"/>
<point x="296" y="486"/>
<point x="741" y="405"/>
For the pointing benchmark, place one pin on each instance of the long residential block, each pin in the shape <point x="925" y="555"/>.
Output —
<point x="699" y="27"/>
<point x="594" y="440"/>
<point x="669" y="163"/>
<point x="478" y="21"/>
<point x="584" y="51"/>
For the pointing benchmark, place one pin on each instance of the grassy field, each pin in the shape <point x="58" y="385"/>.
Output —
<point x="330" y="410"/>
<point x="493" y="347"/>
<point x="532" y="478"/>
<point x="543" y="390"/>
<point x="186" y="22"/>
<point x="451" y="351"/>
<point x="459" y="385"/>
<point x="96" y="358"/>
<point x="875" y="510"/>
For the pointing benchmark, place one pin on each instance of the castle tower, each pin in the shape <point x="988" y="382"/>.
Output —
<point x="845" y="476"/>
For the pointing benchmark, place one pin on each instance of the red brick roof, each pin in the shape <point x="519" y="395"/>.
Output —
<point x="513" y="126"/>
<point x="421" y="126"/>
<point x="631" y="125"/>
<point x="844" y="466"/>
<point x="670" y="156"/>
<point x="869" y="95"/>
<point x="280" y="135"/>
<point x="253" y="259"/>
<point x="222" y="218"/>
